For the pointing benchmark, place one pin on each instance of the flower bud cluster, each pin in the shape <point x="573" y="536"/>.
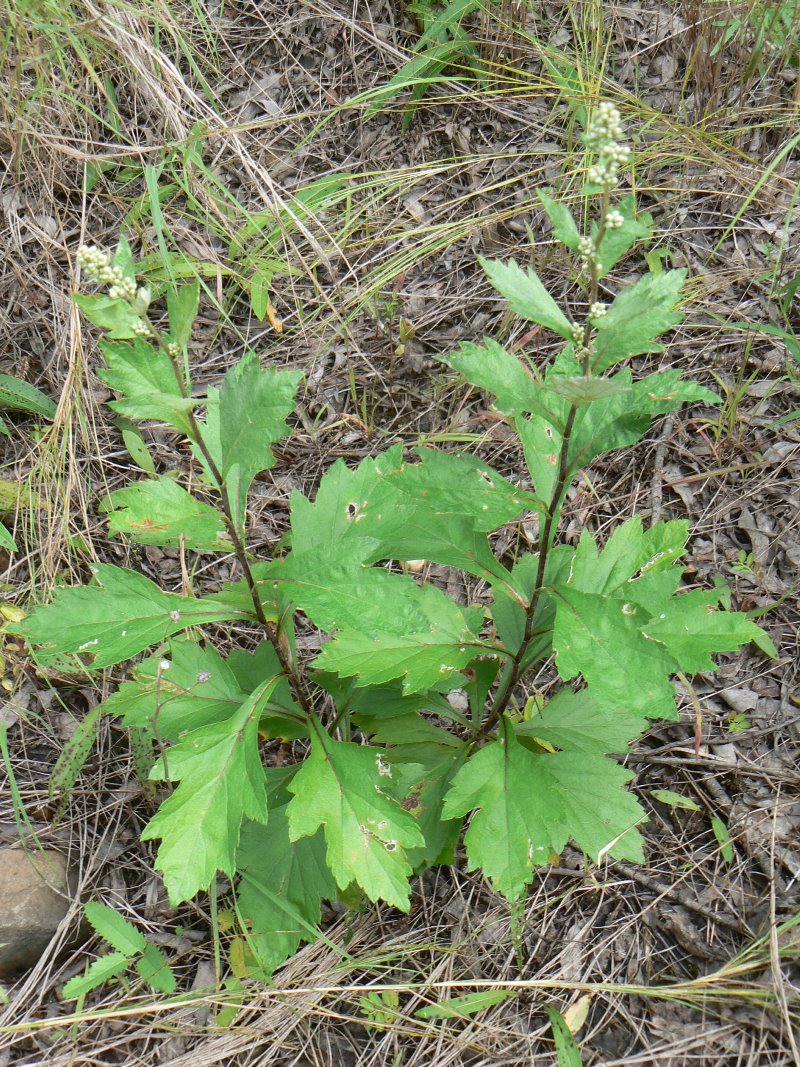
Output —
<point x="597" y="310"/>
<point x="605" y="127"/>
<point x="614" y="220"/>
<point x="98" y="267"/>
<point x="577" y="333"/>
<point x="586" y="250"/>
<point x="603" y="137"/>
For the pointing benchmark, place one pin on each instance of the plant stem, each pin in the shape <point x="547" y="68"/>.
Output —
<point x="507" y="686"/>
<point x="240" y="551"/>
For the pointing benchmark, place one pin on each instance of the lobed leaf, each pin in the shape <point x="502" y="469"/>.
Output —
<point x="282" y="885"/>
<point x="526" y="295"/>
<point x="575" y="722"/>
<point x="112" y="314"/>
<point x="497" y="371"/>
<point x="601" y="639"/>
<point x="145" y="378"/>
<point x="413" y="511"/>
<point x="621" y="419"/>
<point x="528" y="805"/>
<point x="638" y="315"/>
<point x="158" y="511"/>
<point x="120" y="616"/>
<point x="110" y="925"/>
<point x="691" y="627"/>
<point x="618" y="241"/>
<point x="153" y="968"/>
<point x="342" y="788"/>
<point x="186" y="686"/>
<point x="221" y="783"/>
<point x="98" y="971"/>
<point x="253" y="406"/>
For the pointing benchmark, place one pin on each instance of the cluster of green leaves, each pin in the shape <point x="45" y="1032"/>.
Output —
<point x="411" y="724"/>
<point x="129" y="948"/>
<point x="19" y="395"/>
<point x="444" y="44"/>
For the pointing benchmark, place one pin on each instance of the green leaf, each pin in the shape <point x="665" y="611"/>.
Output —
<point x="253" y="406"/>
<point x="73" y="755"/>
<point x="112" y="314"/>
<point x="497" y="371"/>
<point x="160" y="512"/>
<point x="560" y="216"/>
<point x="145" y="378"/>
<point x="574" y="722"/>
<point x="221" y="782"/>
<point x="526" y="295"/>
<point x="723" y="839"/>
<point x="337" y="591"/>
<point x="639" y="314"/>
<point x="282" y="885"/>
<point x="460" y="485"/>
<point x="123" y="258"/>
<point x="21" y="396"/>
<point x="424" y="770"/>
<point x="99" y="971"/>
<point x="567" y="1051"/>
<point x="530" y="804"/>
<point x="392" y="727"/>
<point x="109" y="924"/>
<point x="582" y="390"/>
<point x="405" y="627"/>
<point x="197" y="688"/>
<point x="601" y="638"/>
<point x="155" y="970"/>
<point x="6" y="540"/>
<point x="509" y="615"/>
<point x="135" y="443"/>
<point x="121" y="615"/>
<point x="342" y="787"/>
<point x="623" y="418"/>
<point x="691" y="626"/>
<point x="397" y="505"/>
<point x="616" y="242"/>
<point x="631" y="555"/>
<point x="674" y="800"/>
<point x="182" y="307"/>
<point x="429" y="659"/>
<point x="351" y="504"/>
<point x="465" y="1006"/>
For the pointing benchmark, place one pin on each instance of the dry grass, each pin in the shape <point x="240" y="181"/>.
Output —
<point x="186" y="125"/>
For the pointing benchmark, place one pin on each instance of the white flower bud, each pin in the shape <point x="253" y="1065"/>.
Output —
<point x="577" y="333"/>
<point x="597" y="310"/>
<point x="614" y="220"/>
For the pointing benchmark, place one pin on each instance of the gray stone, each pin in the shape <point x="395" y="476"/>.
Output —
<point x="35" y="894"/>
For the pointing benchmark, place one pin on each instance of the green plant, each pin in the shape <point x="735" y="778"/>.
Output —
<point x="760" y="27"/>
<point x="387" y="761"/>
<point x="19" y="395"/>
<point x="444" y="43"/>
<point x="130" y="949"/>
